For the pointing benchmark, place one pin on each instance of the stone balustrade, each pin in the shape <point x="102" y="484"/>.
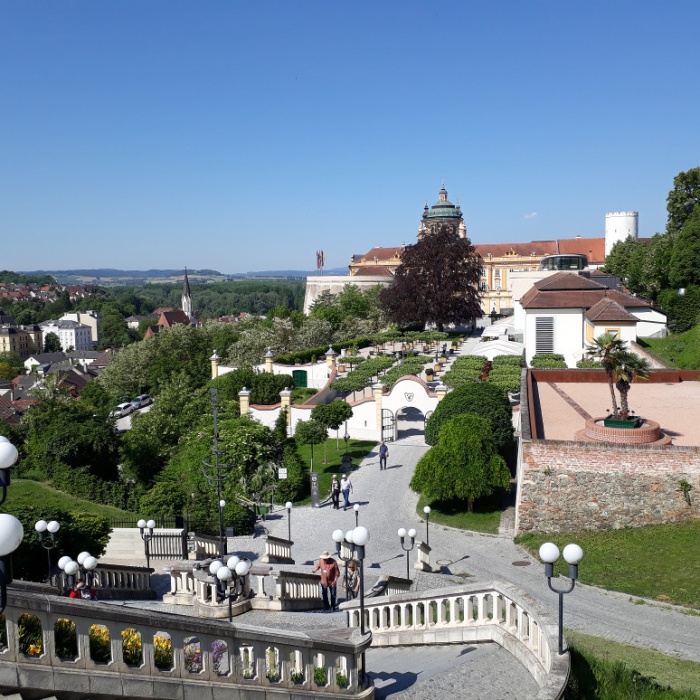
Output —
<point x="277" y="551"/>
<point x="202" y="546"/>
<point x="422" y="557"/>
<point x="115" y="582"/>
<point x="496" y="612"/>
<point x="53" y="645"/>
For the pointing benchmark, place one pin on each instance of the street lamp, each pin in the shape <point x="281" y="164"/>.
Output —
<point x="356" y="508"/>
<point x="412" y="534"/>
<point x="346" y="437"/>
<point x="357" y="538"/>
<point x="11" y="536"/>
<point x="426" y="510"/>
<point x="48" y="543"/>
<point x="88" y="563"/>
<point x="217" y="473"/>
<point x="8" y="456"/>
<point x="288" y="505"/>
<point x="230" y="579"/>
<point x="549" y="553"/>
<point x="146" y="532"/>
<point x="223" y="544"/>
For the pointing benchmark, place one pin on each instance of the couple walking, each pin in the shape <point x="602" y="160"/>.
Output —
<point x="343" y="486"/>
<point x="330" y="573"/>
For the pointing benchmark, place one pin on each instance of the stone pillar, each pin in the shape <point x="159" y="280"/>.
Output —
<point x="268" y="361"/>
<point x="244" y="398"/>
<point x="330" y="357"/>
<point x="215" y="362"/>
<point x="286" y="400"/>
<point x="441" y="391"/>
<point x="377" y="390"/>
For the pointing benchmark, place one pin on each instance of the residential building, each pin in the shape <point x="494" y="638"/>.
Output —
<point x="86" y="318"/>
<point x="71" y="335"/>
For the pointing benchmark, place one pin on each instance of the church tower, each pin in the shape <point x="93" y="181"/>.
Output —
<point x="187" y="300"/>
<point x="442" y="213"/>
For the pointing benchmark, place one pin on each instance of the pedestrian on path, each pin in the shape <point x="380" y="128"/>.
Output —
<point x="346" y="489"/>
<point x="329" y="578"/>
<point x="383" y="454"/>
<point x="352" y="581"/>
<point x="335" y="492"/>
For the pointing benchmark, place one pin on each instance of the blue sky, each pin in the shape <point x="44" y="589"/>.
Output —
<point x="246" y="135"/>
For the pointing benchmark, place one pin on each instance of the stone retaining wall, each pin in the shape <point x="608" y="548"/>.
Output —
<point x="566" y="485"/>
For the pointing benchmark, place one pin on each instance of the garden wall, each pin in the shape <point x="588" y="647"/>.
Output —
<point x="566" y="485"/>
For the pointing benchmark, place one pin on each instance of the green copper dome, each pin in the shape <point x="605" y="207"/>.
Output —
<point x="443" y="208"/>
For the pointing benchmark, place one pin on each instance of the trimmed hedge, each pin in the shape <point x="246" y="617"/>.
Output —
<point x="548" y="361"/>
<point x="410" y="366"/>
<point x="358" y="378"/>
<point x="482" y="398"/>
<point x="508" y="361"/>
<point x="589" y="364"/>
<point x="455" y="378"/>
<point x="469" y="362"/>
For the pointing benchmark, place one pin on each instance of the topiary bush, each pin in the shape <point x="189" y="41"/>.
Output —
<point x="508" y="361"/>
<point x="548" y="361"/>
<point x="482" y="398"/>
<point x="589" y="364"/>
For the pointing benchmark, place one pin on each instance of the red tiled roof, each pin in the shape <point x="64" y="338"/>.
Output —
<point x="593" y="248"/>
<point x="567" y="281"/>
<point x="608" y="310"/>
<point x="172" y="318"/>
<point x="577" y="299"/>
<point x="372" y="271"/>
<point x="382" y="254"/>
<point x="500" y="250"/>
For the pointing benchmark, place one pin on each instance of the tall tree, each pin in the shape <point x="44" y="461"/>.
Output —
<point x="436" y="282"/>
<point x="332" y="415"/>
<point x="682" y="199"/>
<point x="629" y="368"/>
<point x="52" y="343"/>
<point x="684" y="269"/>
<point x="608" y="349"/>
<point x="465" y="463"/>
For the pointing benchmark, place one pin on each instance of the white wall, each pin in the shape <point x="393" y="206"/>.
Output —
<point x="650" y="323"/>
<point x="568" y="332"/>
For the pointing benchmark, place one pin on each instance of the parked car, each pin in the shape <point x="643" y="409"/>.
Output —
<point x="123" y="409"/>
<point x="141" y="401"/>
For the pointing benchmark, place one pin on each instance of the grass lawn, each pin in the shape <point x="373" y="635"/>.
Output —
<point x="485" y="517"/>
<point x="357" y="449"/>
<point x="593" y="659"/>
<point x="25" y="493"/>
<point x="681" y="350"/>
<point x="624" y="560"/>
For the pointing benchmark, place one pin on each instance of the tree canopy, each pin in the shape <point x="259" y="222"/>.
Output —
<point x="436" y="282"/>
<point x="480" y="398"/>
<point x="465" y="463"/>
<point x="683" y="199"/>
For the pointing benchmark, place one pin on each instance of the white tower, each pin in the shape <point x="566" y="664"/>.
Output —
<point x="619" y="225"/>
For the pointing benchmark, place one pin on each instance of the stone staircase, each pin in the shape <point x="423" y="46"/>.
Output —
<point x="125" y="545"/>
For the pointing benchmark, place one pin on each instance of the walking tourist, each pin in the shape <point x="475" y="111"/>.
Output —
<point x="346" y="489"/>
<point x="383" y="454"/>
<point x="335" y="492"/>
<point x="329" y="578"/>
<point x="352" y="581"/>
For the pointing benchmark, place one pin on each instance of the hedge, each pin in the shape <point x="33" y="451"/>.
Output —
<point x="548" y="361"/>
<point x="589" y="364"/>
<point x="508" y="361"/>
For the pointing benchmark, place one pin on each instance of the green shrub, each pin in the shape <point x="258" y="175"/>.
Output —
<point x="469" y="362"/>
<point x="302" y="394"/>
<point x="508" y="361"/>
<point x="482" y="398"/>
<point x="320" y="677"/>
<point x="455" y="378"/>
<point x="589" y="364"/>
<point x="548" y="361"/>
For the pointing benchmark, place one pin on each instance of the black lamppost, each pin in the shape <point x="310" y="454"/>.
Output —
<point x="412" y="534"/>
<point x="88" y="564"/>
<point x="230" y="579"/>
<point x="426" y="510"/>
<point x="48" y="543"/>
<point x="11" y="529"/>
<point x="85" y="566"/>
<point x="357" y="538"/>
<point x="356" y="508"/>
<point x="146" y="531"/>
<point x="223" y="544"/>
<point x="549" y="553"/>
<point x="217" y="472"/>
<point x="288" y="505"/>
<point x="346" y="437"/>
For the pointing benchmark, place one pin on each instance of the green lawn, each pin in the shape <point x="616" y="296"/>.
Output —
<point x="681" y="350"/>
<point x="485" y="517"/>
<point x="25" y="493"/>
<point x="357" y="449"/>
<point x="594" y="674"/>
<point x="658" y="561"/>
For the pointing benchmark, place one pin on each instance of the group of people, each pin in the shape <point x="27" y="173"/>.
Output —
<point x="330" y="573"/>
<point x="343" y="486"/>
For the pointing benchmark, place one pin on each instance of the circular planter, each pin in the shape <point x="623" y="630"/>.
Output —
<point x="648" y="432"/>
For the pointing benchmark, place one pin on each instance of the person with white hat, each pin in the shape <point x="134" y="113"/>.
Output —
<point x="330" y="573"/>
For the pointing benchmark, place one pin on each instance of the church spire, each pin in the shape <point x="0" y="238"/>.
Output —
<point x="187" y="299"/>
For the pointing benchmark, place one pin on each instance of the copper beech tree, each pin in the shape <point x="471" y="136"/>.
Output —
<point x="436" y="282"/>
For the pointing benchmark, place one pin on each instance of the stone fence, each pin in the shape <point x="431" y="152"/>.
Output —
<point x="56" y="646"/>
<point x="495" y="612"/>
<point x="115" y="582"/>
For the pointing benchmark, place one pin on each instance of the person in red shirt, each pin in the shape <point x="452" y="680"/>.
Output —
<point x="330" y="573"/>
<point x="82" y="590"/>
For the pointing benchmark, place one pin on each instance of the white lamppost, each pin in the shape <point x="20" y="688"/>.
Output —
<point x="426" y="510"/>
<point x="146" y="529"/>
<point x="288" y="505"/>
<point x="11" y="536"/>
<point x="230" y="579"/>
<point x="549" y="553"/>
<point x="356" y="508"/>
<point x="412" y="535"/>
<point x="88" y="563"/>
<point x="48" y="543"/>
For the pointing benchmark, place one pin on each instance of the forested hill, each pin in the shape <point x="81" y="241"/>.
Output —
<point x="219" y="298"/>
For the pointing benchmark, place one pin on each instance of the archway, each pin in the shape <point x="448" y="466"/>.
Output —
<point x="410" y="423"/>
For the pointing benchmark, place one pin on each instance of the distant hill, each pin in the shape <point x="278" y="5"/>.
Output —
<point x="108" y="277"/>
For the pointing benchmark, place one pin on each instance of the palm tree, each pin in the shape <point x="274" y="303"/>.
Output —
<point x="608" y="348"/>
<point x="630" y="367"/>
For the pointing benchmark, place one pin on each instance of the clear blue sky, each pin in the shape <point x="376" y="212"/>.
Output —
<point x="246" y="135"/>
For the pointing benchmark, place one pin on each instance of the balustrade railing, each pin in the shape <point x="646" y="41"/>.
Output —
<point x="497" y="612"/>
<point x="92" y="648"/>
<point x="114" y="582"/>
<point x="277" y="551"/>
